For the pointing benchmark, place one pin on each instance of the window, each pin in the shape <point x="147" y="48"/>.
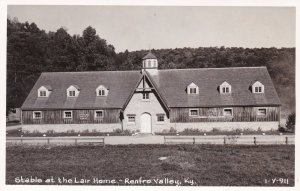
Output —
<point x="145" y="96"/>
<point x="194" y="112"/>
<point x="227" y="112"/>
<point x="258" y="90"/>
<point x="99" y="114"/>
<point x="160" y="117"/>
<point x="193" y="90"/>
<point x="68" y="114"/>
<point x="131" y="118"/>
<point x="262" y="111"/>
<point x="258" y="87"/>
<point x="149" y="63"/>
<point x="71" y="93"/>
<point x="43" y="94"/>
<point x="225" y="90"/>
<point x="37" y="115"/>
<point x="101" y="92"/>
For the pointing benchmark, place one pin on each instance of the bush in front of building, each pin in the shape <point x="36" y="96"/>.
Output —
<point x="290" y="123"/>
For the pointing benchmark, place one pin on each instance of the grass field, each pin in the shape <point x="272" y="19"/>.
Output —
<point x="200" y="165"/>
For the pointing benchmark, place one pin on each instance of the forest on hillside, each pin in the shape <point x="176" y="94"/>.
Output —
<point x="31" y="51"/>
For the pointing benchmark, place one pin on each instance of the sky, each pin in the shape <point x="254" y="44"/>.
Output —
<point x="156" y="27"/>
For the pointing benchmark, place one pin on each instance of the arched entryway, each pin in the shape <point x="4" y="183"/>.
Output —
<point x="146" y="123"/>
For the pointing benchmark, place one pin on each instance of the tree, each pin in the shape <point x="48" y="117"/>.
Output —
<point x="290" y="124"/>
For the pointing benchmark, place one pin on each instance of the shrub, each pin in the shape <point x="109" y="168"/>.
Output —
<point x="94" y="131"/>
<point x="72" y="131"/>
<point x="50" y="132"/>
<point x="172" y="130"/>
<point x="127" y="132"/>
<point x="85" y="131"/>
<point x="290" y="123"/>
<point x="215" y="130"/>
<point x="281" y="129"/>
<point x="118" y="130"/>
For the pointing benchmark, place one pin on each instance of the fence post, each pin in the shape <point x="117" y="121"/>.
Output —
<point x="224" y="140"/>
<point x="48" y="140"/>
<point x="21" y="140"/>
<point x="193" y="140"/>
<point x="75" y="141"/>
<point x="164" y="139"/>
<point x="286" y="140"/>
<point x="254" y="140"/>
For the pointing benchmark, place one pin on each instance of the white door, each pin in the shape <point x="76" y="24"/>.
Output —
<point x="145" y="123"/>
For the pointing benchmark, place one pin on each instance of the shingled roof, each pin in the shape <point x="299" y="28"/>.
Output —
<point x="149" y="56"/>
<point x="171" y="85"/>
<point x="120" y="83"/>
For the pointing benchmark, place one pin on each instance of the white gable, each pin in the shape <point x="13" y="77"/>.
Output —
<point x="192" y="88"/>
<point x="225" y="88"/>
<point x="72" y="88"/>
<point x="258" y="87"/>
<point x="43" y="92"/>
<point x="101" y="91"/>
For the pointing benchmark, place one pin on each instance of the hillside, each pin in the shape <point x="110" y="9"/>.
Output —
<point x="31" y="51"/>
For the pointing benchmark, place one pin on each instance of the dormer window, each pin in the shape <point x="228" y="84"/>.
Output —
<point x="73" y="91"/>
<point x="101" y="91"/>
<point x="44" y="91"/>
<point x="192" y="89"/>
<point x="225" y="88"/>
<point x="258" y="87"/>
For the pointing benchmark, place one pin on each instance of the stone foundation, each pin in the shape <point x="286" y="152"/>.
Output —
<point x="227" y="126"/>
<point x="59" y="128"/>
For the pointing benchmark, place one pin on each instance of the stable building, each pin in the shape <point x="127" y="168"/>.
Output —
<point x="153" y="100"/>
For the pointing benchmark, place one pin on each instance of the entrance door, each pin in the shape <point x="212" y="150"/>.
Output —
<point x="145" y="123"/>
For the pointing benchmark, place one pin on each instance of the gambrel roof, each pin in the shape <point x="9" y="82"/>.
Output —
<point x="170" y="84"/>
<point x="120" y="83"/>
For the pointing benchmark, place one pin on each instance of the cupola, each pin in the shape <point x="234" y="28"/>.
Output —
<point x="150" y="63"/>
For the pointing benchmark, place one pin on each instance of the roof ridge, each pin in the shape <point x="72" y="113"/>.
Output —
<point x="94" y="71"/>
<point x="213" y="68"/>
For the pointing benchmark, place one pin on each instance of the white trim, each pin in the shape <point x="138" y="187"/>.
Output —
<point x="98" y="117"/>
<point x="64" y="114"/>
<point x="257" y="111"/>
<point x="147" y="99"/>
<point x="131" y="115"/>
<point x="226" y="109"/>
<point x="190" y="114"/>
<point x="33" y="115"/>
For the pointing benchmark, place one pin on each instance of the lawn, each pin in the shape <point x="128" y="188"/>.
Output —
<point x="200" y="165"/>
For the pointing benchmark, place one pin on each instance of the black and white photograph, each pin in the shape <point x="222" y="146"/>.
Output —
<point x="146" y="95"/>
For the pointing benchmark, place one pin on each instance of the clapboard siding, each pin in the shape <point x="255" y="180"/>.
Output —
<point x="79" y="117"/>
<point x="240" y="114"/>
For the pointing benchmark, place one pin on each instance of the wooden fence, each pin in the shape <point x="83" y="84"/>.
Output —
<point x="248" y="140"/>
<point x="56" y="140"/>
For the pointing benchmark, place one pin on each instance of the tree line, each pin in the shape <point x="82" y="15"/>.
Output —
<point x="31" y="51"/>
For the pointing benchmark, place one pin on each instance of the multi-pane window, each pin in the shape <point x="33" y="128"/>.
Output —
<point x="258" y="89"/>
<point x="146" y="96"/>
<point x="194" y="112"/>
<point x="193" y="90"/>
<point x="227" y="112"/>
<point x="101" y="92"/>
<point x="99" y="114"/>
<point x="37" y="115"/>
<point x="160" y="117"/>
<point x="131" y="118"/>
<point x="67" y="114"/>
<point x="72" y="93"/>
<point x="262" y="111"/>
<point x="43" y="94"/>
<point x="225" y="90"/>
